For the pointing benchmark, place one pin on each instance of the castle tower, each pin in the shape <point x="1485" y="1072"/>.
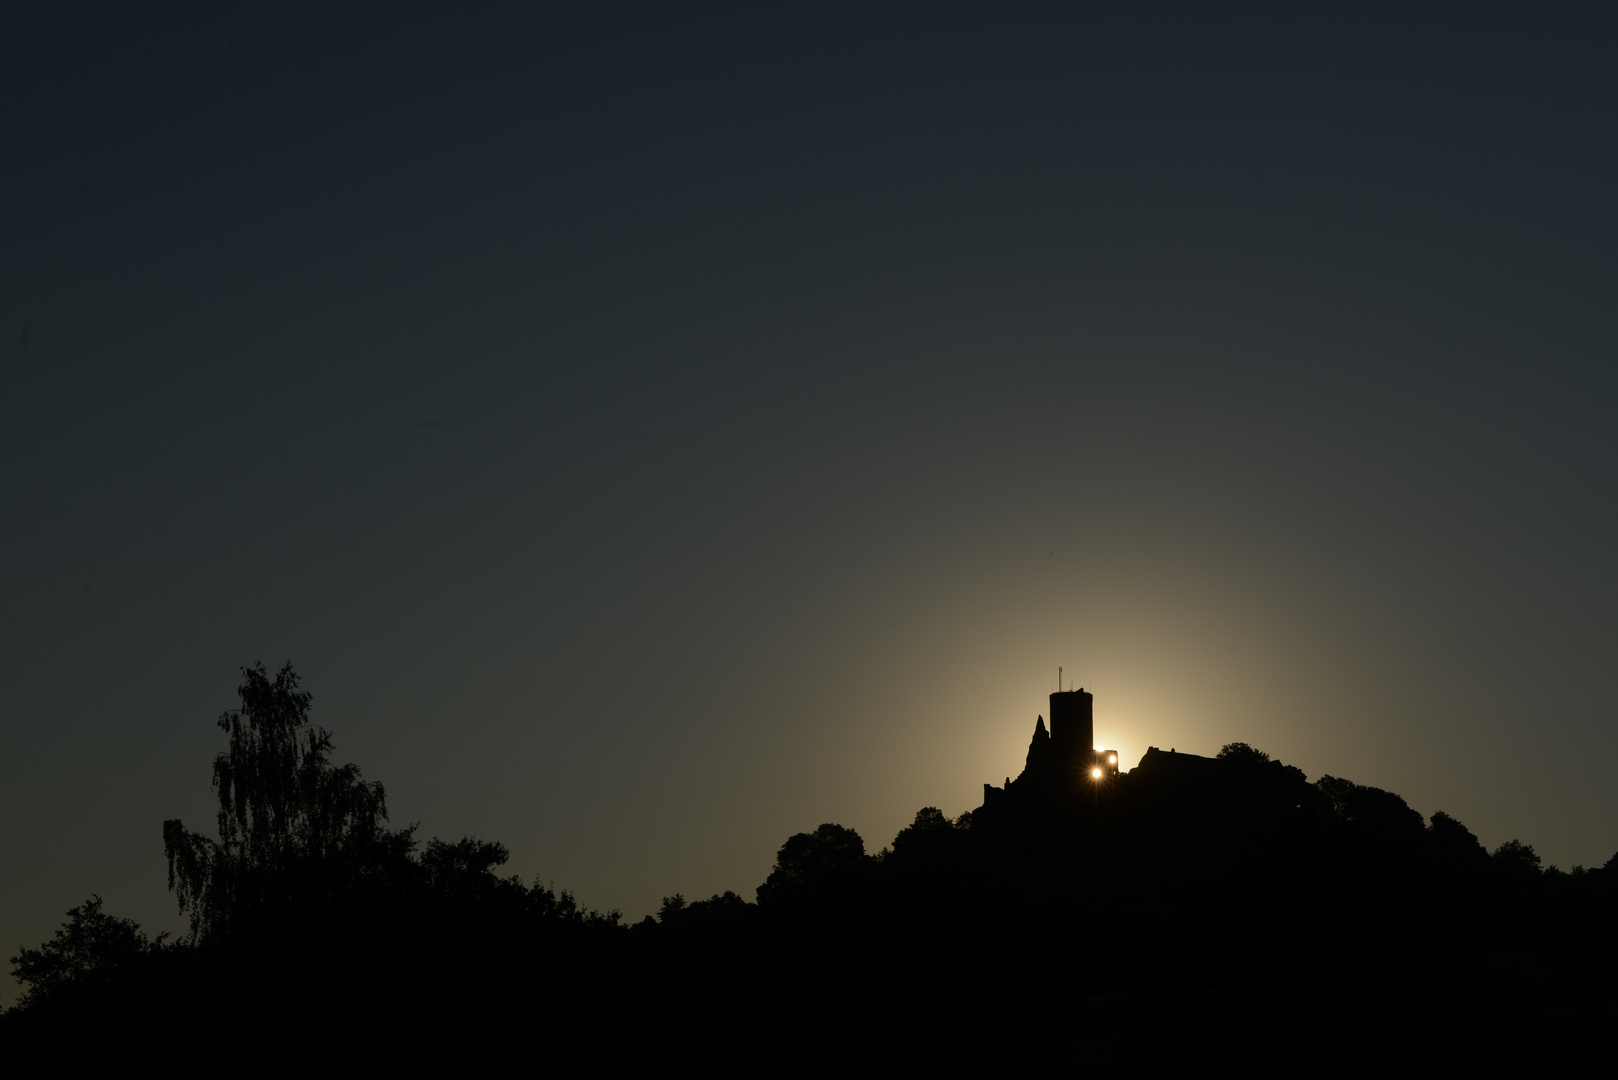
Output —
<point x="1072" y="723"/>
<point x="1062" y="765"/>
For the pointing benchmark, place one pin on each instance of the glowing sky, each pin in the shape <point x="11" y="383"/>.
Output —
<point x="654" y="433"/>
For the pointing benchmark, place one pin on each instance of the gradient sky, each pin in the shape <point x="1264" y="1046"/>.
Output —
<point x="655" y="431"/>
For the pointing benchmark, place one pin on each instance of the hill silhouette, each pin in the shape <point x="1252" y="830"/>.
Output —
<point x="1081" y="907"/>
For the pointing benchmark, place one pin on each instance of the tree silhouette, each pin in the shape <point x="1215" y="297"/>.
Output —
<point x="1517" y="860"/>
<point x="90" y="950"/>
<point x="307" y="904"/>
<point x="931" y="836"/>
<point x="293" y="828"/>
<point x="811" y="863"/>
<point x="464" y="868"/>
<point x="1372" y="812"/>
<point x="1240" y="753"/>
<point x="1457" y="849"/>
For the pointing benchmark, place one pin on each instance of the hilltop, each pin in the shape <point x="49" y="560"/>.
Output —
<point x="1080" y="901"/>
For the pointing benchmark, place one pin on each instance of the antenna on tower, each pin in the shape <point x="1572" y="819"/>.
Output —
<point x="1058" y="679"/>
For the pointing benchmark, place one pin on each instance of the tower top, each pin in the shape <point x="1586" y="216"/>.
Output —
<point x="1072" y="720"/>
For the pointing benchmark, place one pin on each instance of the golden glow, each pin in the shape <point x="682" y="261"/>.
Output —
<point x="1112" y="759"/>
<point x="1096" y="773"/>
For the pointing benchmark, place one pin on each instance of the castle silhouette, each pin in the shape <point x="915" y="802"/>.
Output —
<point x="1064" y="763"/>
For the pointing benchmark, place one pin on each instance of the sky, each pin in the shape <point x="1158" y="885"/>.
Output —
<point x="655" y="430"/>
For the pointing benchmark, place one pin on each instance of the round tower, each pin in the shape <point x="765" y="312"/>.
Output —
<point x="1072" y="723"/>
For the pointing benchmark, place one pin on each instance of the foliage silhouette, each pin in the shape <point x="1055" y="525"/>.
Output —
<point x="1188" y="893"/>
<point x="307" y="903"/>
<point x="464" y="868"/>
<point x="1241" y="753"/>
<point x="90" y="951"/>
<point x="1517" y="860"/>
<point x="1457" y="852"/>
<point x="929" y="837"/>
<point x="809" y="865"/>
<point x="294" y="829"/>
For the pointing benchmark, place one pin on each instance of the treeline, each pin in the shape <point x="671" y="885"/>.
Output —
<point x="1179" y="901"/>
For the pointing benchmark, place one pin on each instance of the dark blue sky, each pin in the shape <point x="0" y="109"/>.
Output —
<point x="656" y="431"/>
